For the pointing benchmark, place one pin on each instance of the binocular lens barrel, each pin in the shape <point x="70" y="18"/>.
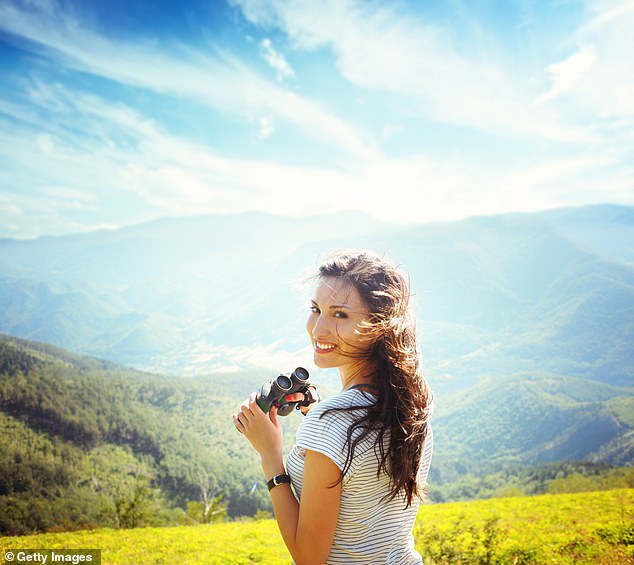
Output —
<point x="284" y="382"/>
<point x="301" y="373"/>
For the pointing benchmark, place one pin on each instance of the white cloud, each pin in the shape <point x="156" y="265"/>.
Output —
<point x="222" y="82"/>
<point x="96" y="154"/>
<point x="608" y="90"/>
<point x="8" y="209"/>
<point x="589" y="106"/>
<point x="174" y="176"/>
<point x="568" y="73"/>
<point x="595" y="83"/>
<point x="178" y="177"/>
<point x="69" y="194"/>
<point x="379" y="48"/>
<point x="562" y="181"/>
<point x="267" y="127"/>
<point x="594" y="86"/>
<point x="276" y="60"/>
<point x="607" y="12"/>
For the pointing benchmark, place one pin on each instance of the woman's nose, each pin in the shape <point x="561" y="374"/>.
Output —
<point x="321" y="328"/>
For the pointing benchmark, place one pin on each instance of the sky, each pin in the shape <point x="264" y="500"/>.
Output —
<point x="121" y="112"/>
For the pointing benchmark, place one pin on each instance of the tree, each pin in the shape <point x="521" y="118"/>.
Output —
<point x="210" y="508"/>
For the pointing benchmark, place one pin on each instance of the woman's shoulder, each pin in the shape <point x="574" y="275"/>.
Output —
<point x="340" y="407"/>
<point x="331" y="418"/>
<point x="345" y="399"/>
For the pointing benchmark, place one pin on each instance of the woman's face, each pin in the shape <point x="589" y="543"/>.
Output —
<point x="334" y="324"/>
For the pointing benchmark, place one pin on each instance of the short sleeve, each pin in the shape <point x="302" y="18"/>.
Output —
<point x="325" y="433"/>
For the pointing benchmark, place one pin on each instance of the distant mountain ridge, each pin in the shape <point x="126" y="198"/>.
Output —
<point x="549" y="291"/>
<point x="534" y="418"/>
<point x="526" y="325"/>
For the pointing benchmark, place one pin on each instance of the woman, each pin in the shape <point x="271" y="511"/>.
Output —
<point x="361" y="458"/>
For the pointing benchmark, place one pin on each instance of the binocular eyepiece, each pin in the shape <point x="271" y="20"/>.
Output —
<point x="274" y="393"/>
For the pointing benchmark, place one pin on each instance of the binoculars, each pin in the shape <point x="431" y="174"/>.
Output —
<point x="274" y="392"/>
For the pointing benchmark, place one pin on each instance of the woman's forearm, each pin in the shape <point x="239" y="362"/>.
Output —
<point x="285" y="505"/>
<point x="307" y="534"/>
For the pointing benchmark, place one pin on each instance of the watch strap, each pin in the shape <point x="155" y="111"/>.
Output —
<point x="278" y="480"/>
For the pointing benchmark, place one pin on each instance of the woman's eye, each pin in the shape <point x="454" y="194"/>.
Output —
<point x="314" y="309"/>
<point x="340" y="314"/>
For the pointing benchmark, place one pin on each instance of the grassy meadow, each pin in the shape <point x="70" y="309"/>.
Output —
<point x="580" y="528"/>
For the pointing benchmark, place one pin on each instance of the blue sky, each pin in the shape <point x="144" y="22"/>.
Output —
<point x="113" y="113"/>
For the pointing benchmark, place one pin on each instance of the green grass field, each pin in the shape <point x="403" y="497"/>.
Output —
<point x="594" y="527"/>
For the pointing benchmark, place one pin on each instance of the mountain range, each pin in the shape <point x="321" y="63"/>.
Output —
<point x="540" y="292"/>
<point x="526" y="324"/>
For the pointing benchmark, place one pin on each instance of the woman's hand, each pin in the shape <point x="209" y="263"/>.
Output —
<point x="263" y="431"/>
<point x="311" y="395"/>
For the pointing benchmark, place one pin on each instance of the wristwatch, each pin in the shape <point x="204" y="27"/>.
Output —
<point x="278" y="480"/>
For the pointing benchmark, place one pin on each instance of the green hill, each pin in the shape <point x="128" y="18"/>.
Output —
<point x="533" y="419"/>
<point x="89" y="443"/>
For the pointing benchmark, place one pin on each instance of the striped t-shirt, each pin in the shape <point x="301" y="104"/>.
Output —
<point x="369" y="529"/>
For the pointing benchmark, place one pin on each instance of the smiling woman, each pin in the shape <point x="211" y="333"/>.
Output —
<point x="335" y="325"/>
<point x="361" y="458"/>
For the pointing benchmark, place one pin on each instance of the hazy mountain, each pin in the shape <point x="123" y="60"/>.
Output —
<point x="608" y="230"/>
<point x="550" y="291"/>
<point x="526" y="322"/>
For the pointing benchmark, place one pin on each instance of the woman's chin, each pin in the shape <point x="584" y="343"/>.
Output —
<point x="322" y="361"/>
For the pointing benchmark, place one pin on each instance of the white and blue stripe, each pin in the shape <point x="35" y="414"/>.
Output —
<point x="369" y="529"/>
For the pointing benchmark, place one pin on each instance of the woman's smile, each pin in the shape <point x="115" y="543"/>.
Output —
<point x="323" y="348"/>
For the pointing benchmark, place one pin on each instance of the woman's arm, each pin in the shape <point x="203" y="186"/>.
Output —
<point x="307" y="528"/>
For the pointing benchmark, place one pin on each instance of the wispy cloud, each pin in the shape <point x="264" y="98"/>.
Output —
<point x="594" y="85"/>
<point x="266" y="128"/>
<point x="562" y="181"/>
<point x="276" y="60"/>
<point x="380" y="48"/>
<point x="223" y="82"/>
<point x="172" y="175"/>
<point x="568" y="73"/>
<point x="607" y="90"/>
<point x="175" y="176"/>
<point x="429" y="127"/>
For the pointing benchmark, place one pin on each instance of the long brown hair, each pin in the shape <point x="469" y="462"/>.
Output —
<point x="403" y="405"/>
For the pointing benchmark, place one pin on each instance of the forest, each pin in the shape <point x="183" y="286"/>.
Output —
<point x="87" y="443"/>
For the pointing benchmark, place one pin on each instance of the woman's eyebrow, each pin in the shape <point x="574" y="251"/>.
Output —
<point x="334" y="306"/>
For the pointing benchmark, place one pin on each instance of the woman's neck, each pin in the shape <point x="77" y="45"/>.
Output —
<point x="357" y="376"/>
